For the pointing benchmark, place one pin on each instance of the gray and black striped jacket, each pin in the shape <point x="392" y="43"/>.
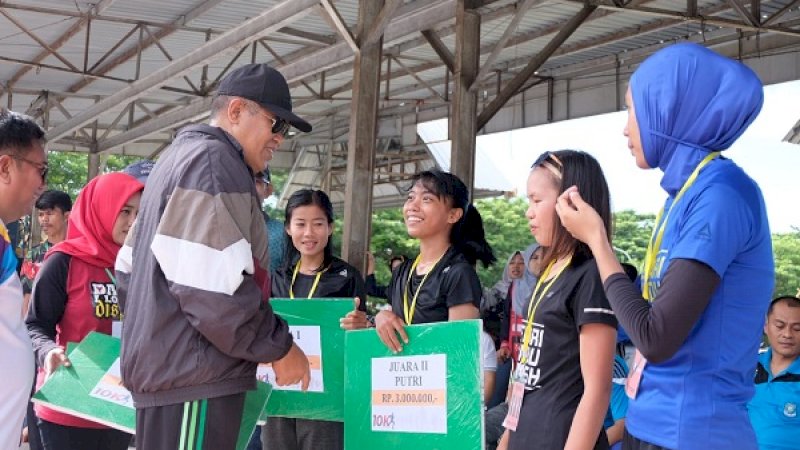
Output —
<point x="193" y="280"/>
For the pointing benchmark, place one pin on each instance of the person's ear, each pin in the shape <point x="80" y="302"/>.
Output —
<point x="234" y="110"/>
<point x="5" y="168"/>
<point x="454" y="215"/>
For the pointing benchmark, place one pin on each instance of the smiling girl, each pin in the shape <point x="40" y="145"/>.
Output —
<point x="311" y="271"/>
<point x="440" y="284"/>
<point x="75" y="293"/>
<point x="561" y="386"/>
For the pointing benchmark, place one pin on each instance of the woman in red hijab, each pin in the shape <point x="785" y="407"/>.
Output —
<point x="75" y="294"/>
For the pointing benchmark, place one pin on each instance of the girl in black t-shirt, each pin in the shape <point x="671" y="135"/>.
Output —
<point x="561" y="386"/>
<point x="311" y="271"/>
<point x="440" y="284"/>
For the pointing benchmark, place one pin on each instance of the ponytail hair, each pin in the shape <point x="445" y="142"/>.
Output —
<point x="466" y="235"/>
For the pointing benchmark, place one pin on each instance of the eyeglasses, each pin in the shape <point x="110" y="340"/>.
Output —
<point x="43" y="168"/>
<point x="279" y="126"/>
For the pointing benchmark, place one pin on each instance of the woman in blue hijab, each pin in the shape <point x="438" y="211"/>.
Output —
<point x="709" y="272"/>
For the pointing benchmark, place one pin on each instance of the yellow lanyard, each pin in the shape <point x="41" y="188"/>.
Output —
<point x="654" y="246"/>
<point x="313" y="286"/>
<point x="534" y="304"/>
<point x="409" y="312"/>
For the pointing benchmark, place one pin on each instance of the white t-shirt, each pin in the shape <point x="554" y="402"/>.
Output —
<point x="488" y="353"/>
<point x="16" y="353"/>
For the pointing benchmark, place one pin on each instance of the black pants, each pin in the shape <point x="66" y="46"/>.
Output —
<point x="32" y="422"/>
<point x="631" y="443"/>
<point x="60" y="437"/>
<point x="207" y="424"/>
<point x="299" y="434"/>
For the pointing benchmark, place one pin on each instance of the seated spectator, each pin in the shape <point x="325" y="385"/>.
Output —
<point x="773" y="409"/>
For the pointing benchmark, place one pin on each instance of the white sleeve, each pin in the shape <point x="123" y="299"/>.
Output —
<point x="488" y="353"/>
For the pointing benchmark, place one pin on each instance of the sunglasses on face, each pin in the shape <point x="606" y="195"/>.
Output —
<point x="279" y="126"/>
<point x="43" y="168"/>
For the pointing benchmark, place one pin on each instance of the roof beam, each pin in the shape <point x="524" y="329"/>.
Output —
<point x="438" y="46"/>
<point x="379" y="26"/>
<point x="231" y="41"/>
<point x="50" y="50"/>
<point x="340" y="54"/>
<point x="744" y="12"/>
<point x="100" y="17"/>
<point x="416" y="77"/>
<point x="717" y="21"/>
<point x="511" y="88"/>
<point x="138" y="47"/>
<point x="76" y="28"/>
<point x="331" y="14"/>
<point x="168" y="120"/>
<point x="778" y="14"/>
<point x="501" y="43"/>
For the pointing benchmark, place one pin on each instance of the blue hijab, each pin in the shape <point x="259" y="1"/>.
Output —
<point x="690" y="101"/>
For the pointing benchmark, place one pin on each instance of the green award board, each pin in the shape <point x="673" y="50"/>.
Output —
<point x="315" y="326"/>
<point x="91" y="388"/>
<point x="426" y="397"/>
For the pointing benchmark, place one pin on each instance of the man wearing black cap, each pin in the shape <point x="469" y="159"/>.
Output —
<point x="197" y="320"/>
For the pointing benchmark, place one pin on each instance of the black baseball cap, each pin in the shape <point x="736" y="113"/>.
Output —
<point x="265" y="86"/>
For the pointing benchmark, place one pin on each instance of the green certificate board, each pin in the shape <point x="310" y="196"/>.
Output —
<point x="314" y="324"/>
<point x="91" y="388"/>
<point x="426" y="397"/>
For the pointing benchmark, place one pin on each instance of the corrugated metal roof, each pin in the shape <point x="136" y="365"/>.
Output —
<point x="607" y="33"/>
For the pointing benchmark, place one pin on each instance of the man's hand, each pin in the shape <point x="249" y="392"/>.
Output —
<point x="355" y="319"/>
<point x="55" y="357"/>
<point x="292" y="368"/>
<point x="389" y="326"/>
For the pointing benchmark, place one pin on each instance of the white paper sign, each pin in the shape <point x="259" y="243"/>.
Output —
<point x="307" y="337"/>
<point x="409" y="394"/>
<point x="110" y="388"/>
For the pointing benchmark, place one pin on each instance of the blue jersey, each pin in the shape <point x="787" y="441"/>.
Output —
<point x="697" y="399"/>
<point x="774" y="409"/>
